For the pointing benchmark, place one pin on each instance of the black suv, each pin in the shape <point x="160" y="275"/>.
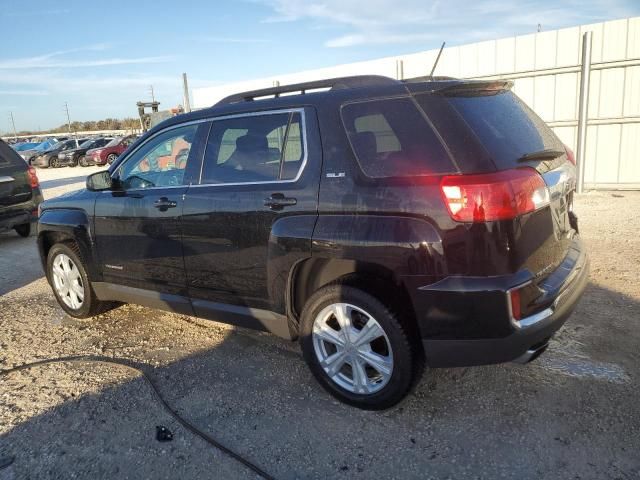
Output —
<point x="19" y="192"/>
<point x="383" y="223"/>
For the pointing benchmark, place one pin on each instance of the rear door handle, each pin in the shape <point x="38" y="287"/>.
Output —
<point x="163" y="204"/>
<point x="278" y="201"/>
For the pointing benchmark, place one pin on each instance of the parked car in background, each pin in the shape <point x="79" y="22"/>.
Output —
<point x="383" y="223"/>
<point x="27" y="155"/>
<point x="70" y="158"/>
<point x="19" y="147"/>
<point x="20" y="193"/>
<point x="108" y="153"/>
<point x="49" y="158"/>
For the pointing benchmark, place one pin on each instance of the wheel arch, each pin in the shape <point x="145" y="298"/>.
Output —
<point x="312" y="274"/>
<point x="67" y="225"/>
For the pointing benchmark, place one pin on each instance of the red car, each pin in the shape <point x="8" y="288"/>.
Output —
<point x="108" y="153"/>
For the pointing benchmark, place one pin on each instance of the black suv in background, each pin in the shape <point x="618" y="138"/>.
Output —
<point x="19" y="192"/>
<point x="383" y="223"/>
<point x="49" y="158"/>
<point x="71" y="158"/>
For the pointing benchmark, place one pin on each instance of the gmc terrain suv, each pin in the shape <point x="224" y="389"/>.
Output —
<point x="19" y="193"/>
<point x="384" y="223"/>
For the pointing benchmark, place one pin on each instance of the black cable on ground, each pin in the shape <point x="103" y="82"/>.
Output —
<point x="129" y="364"/>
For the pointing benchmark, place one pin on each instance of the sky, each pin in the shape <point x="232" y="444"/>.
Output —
<point x="102" y="57"/>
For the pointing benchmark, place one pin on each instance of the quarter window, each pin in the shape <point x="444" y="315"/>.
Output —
<point x="391" y="138"/>
<point x="255" y="148"/>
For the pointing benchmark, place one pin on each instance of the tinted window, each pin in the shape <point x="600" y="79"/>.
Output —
<point x="391" y="138"/>
<point x="8" y="157"/>
<point x="160" y="162"/>
<point x="505" y="126"/>
<point x="256" y="148"/>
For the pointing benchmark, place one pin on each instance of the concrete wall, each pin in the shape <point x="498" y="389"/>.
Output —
<point x="545" y="67"/>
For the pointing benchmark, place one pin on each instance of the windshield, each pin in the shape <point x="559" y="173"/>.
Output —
<point x="113" y="142"/>
<point x="87" y="144"/>
<point x="43" y="146"/>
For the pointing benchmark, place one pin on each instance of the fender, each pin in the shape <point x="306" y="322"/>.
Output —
<point x="72" y="224"/>
<point x="405" y="246"/>
<point x="289" y="244"/>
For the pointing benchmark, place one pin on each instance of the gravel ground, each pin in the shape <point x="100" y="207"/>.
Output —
<point x="573" y="413"/>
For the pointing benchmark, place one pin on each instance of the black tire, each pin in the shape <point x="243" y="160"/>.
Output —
<point x="53" y="162"/>
<point x="23" y="230"/>
<point x="90" y="306"/>
<point x="406" y="357"/>
<point x="74" y="162"/>
<point x="111" y="158"/>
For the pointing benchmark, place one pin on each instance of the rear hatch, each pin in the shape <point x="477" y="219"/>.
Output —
<point x="15" y="186"/>
<point x="487" y="127"/>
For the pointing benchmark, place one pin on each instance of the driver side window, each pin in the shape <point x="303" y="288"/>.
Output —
<point x="160" y="162"/>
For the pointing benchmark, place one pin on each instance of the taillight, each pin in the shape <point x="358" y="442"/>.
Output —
<point x="33" y="178"/>
<point x="494" y="196"/>
<point x="514" y="304"/>
<point x="570" y="156"/>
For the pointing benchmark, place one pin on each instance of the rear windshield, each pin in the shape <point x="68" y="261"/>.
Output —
<point x="505" y="126"/>
<point x="8" y="157"/>
<point x="391" y="138"/>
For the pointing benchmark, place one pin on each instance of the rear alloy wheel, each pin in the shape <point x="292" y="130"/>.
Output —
<point x="70" y="283"/>
<point x="54" y="163"/>
<point x="111" y="158"/>
<point x="357" y="348"/>
<point x="74" y="162"/>
<point x="23" y="230"/>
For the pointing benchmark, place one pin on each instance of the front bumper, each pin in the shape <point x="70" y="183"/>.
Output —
<point x="513" y="341"/>
<point x="66" y="161"/>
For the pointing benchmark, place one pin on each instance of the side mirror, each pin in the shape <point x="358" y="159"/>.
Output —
<point x="100" y="181"/>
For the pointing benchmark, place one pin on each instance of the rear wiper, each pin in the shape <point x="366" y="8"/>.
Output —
<point x="548" y="154"/>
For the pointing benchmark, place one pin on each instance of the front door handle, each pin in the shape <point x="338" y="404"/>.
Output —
<point x="278" y="201"/>
<point x="163" y="204"/>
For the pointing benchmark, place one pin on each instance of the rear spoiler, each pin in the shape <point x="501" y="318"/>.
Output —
<point x="471" y="87"/>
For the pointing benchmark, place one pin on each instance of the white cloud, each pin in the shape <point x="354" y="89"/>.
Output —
<point x="53" y="60"/>
<point x="213" y="39"/>
<point x="456" y="21"/>
<point x="28" y="93"/>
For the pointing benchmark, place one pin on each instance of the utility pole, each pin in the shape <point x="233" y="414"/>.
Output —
<point x="185" y="86"/>
<point x="66" y="107"/>
<point x="153" y="98"/>
<point x="13" y="123"/>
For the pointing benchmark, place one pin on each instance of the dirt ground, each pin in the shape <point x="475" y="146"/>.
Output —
<point x="573" y="413"/>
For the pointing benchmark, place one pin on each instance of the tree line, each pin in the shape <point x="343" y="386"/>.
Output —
<point x="106" y="124"/>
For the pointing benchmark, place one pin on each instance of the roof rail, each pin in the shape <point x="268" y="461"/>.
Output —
<point x="331" y="83"/>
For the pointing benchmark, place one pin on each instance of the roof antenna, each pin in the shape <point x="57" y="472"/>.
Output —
<point x="433" y="69"/>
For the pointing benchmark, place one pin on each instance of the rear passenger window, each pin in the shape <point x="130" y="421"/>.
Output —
<point x="255" y="148"/>
<point x="391" y="138"/>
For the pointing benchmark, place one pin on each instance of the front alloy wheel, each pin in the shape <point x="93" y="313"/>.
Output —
<point x="67" y="281"/>
<point x="68" y="278"/>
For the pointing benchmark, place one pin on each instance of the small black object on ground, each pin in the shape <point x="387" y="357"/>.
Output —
<point x="163" y="434"/>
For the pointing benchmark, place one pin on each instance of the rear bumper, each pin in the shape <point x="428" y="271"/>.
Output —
<point x="526" y="339"/>
<point x="21" y="213"/>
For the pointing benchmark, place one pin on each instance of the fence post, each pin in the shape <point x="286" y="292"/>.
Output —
<point x="583" y="110"/>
